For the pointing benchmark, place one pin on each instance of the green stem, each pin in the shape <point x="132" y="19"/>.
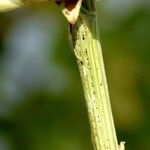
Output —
<point x="88" y="52"/>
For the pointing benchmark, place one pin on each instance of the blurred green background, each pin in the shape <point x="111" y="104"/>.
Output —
<point x="41" y="101"/>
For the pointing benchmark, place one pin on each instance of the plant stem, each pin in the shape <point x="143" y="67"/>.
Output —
<point x="88" y="52"/>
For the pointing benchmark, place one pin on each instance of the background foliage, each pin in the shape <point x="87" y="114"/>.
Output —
<point x="41" y="100"/>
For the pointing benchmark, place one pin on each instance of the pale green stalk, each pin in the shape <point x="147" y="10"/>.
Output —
<point x="87" y="49"/>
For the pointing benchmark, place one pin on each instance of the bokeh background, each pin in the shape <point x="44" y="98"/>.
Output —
<point x="41" y="101"/>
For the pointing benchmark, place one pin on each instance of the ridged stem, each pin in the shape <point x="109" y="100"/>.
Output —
<point x="87" y="49"/>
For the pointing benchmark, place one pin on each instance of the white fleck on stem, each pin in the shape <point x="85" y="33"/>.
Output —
<point x="122" y="146"/>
